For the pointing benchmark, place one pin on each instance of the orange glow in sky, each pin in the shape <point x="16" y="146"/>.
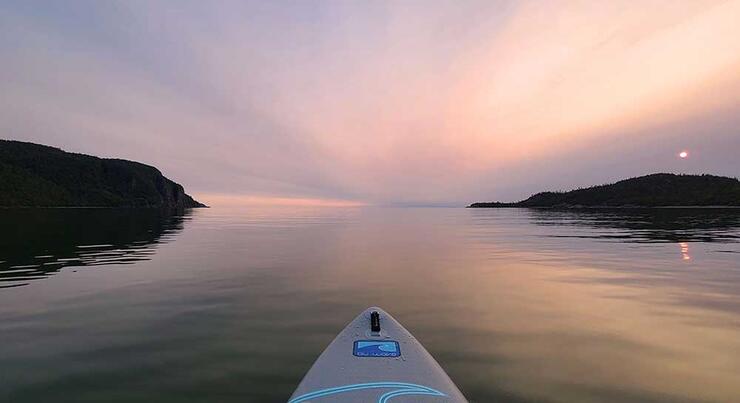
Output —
<point x="225" y="200"/>
<point x="381" y="102"/>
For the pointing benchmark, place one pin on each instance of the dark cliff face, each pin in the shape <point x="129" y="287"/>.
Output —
<point x="35" y="175"/>
<point x="656" y="190"/>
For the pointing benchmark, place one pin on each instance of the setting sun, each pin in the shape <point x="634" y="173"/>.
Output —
<point x="683" y="154"/>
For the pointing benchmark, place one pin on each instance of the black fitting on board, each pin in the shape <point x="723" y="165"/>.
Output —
<point x="374" y="321"/>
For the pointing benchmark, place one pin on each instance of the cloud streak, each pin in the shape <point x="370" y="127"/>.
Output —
<point x="398" y="102"/>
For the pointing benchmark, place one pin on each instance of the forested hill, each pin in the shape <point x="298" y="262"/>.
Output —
<point x="33" y="175"/>
<point x="656" y="190"/>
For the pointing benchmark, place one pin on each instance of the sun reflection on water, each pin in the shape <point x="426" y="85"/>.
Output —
<point x="684" y="250"/>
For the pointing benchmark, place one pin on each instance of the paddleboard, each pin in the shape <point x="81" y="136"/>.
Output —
<point x="374" y="359"/>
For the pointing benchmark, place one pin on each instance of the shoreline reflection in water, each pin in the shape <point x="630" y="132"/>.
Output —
<point x="37" y="243"/>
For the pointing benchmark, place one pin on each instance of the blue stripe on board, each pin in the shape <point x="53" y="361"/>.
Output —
<point x="402" y="389"/>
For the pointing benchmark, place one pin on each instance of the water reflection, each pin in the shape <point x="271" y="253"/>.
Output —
<point x="645" y="225"/>
<point x="684" y="251"/>
<point x="36" y="243"/>
<point x="513" y="306"/>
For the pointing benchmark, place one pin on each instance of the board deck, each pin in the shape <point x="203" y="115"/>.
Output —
<point x="375" y="359"/>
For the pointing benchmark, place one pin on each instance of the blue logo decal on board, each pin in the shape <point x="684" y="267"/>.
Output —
<point x="372" y="348"/>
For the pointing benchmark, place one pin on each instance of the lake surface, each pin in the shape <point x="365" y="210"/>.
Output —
<point x="234" y="305"/>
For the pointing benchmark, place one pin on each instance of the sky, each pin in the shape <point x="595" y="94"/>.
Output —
<point x="374" y="102"/>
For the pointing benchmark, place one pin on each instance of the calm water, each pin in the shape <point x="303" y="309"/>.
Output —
<point x="234" y="305"/>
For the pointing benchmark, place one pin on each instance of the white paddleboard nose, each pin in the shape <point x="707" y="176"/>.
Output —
<point x="375" y="359"/>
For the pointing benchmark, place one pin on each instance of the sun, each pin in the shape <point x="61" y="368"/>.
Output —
<point x="683" y="154"/>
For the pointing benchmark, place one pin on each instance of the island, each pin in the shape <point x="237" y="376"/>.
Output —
<point x="656" y="190"/>
<point x="34" y="175"/>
